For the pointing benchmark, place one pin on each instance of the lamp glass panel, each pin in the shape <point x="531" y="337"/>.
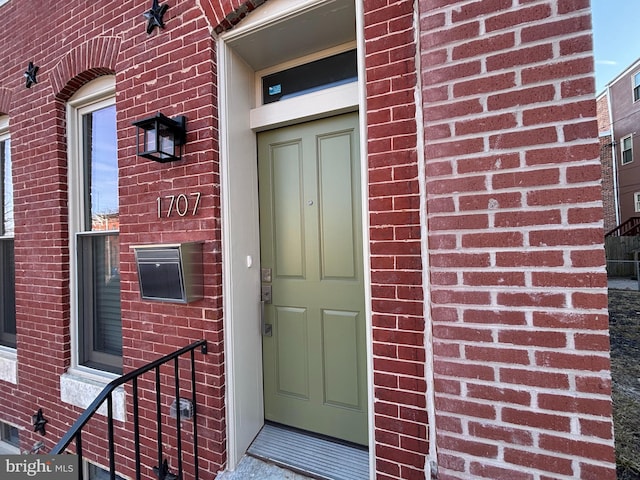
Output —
<point x="167" y="141"/>
<point x="150" y="138"/>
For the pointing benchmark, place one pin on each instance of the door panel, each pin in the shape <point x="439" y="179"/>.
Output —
<point x="339" y="335"/>
<point x="310" y="214"/>
<point x="292" y="358"/>
<point x="286" y="175"/>
<point x="336" y="208"/>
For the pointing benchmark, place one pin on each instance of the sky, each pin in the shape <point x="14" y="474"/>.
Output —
<point x="616" y="38"/>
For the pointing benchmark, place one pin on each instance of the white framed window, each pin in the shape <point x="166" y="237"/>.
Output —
<point x="96" y="472"/>
<point x="626" y="150"/>
<point x="9" y="439"/>
<point x="636" y="202"/>
<point x="336" y="90"/>
<point x="636" y="87"/>
<point x="315" y="72"/>
<point x="332" y="71"/>
<point x="7" y="265"/>
<point x="94" y="226"/>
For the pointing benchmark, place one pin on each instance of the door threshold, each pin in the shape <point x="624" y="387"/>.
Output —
<point x="309" y="454"/>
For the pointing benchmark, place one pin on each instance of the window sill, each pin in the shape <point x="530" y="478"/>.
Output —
<point x="8" y="449"/>
<point x="79" y="388"/>
<point x="8" y="365"/>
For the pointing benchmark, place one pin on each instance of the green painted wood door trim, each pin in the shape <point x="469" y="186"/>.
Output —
<point x="311" y="239"/>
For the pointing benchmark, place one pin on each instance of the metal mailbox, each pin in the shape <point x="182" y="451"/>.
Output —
<point x="170" y="273"/>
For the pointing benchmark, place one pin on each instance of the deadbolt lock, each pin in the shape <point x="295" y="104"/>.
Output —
<point x="265" y="295"/>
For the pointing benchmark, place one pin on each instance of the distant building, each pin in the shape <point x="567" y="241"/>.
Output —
<point x="620" y="145"/>
<point x="398" y="212"/>
<point x="609" y="180"/>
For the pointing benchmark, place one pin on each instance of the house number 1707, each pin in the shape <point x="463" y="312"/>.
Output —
<point x="183" y="204"/>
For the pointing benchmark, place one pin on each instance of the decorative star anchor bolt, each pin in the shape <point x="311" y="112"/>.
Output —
<point x="154" y="16"/>
<point x="30" y="74"/>
<point x="39" y="422"/>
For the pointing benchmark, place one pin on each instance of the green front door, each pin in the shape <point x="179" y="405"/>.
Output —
<point x="311" y="252"/>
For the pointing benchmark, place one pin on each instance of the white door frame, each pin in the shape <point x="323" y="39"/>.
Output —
<point x="239" y="122"/>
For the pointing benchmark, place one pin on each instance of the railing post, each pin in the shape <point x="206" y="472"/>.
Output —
<point x="176" y="377"/>
<point x="159" y="419"/>
<point x="112" y="453"/>
<point x="136" y="427"/>
<point x="195" y="411"/>
<point x="79" y="453"/>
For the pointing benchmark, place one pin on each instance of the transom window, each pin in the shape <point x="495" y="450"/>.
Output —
<point x="7" y="265"/>
<point x="94" y="224"/>
<point x="309" y="77"/>
<point x="626" y="147"/>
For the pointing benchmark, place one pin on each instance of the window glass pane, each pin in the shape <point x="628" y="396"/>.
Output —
<point x="8" y="294"/>
<point x="101" y="169"/>
<point x="8" y="287"/>
<point x="98" y="473"/>
<point x="7" y="189"/>
<point x="10" y="435"/>
<point x="101" y="296"/>
<point x="627" y="150"/>
<point x="107" y="336"/>
<point x="324" y="73"/>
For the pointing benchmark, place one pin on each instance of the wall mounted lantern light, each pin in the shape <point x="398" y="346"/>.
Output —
<point x="160" y="138"/>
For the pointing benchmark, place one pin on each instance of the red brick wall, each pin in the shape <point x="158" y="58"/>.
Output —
<point x="396" y="266"/>
<point x="172" y="72"/>
<point x="603" y="118"/>
<point x="518" y="288"/>
<point x="608" y="183"/>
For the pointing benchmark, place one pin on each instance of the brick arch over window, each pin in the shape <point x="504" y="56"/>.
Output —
<point x="5" y="101"/>
<point x="84" y="63"/>
<point x="225" y="14"/>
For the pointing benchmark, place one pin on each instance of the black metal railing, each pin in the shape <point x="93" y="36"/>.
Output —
<point x="629" y="228"/>
<point x="161" y="470"/>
